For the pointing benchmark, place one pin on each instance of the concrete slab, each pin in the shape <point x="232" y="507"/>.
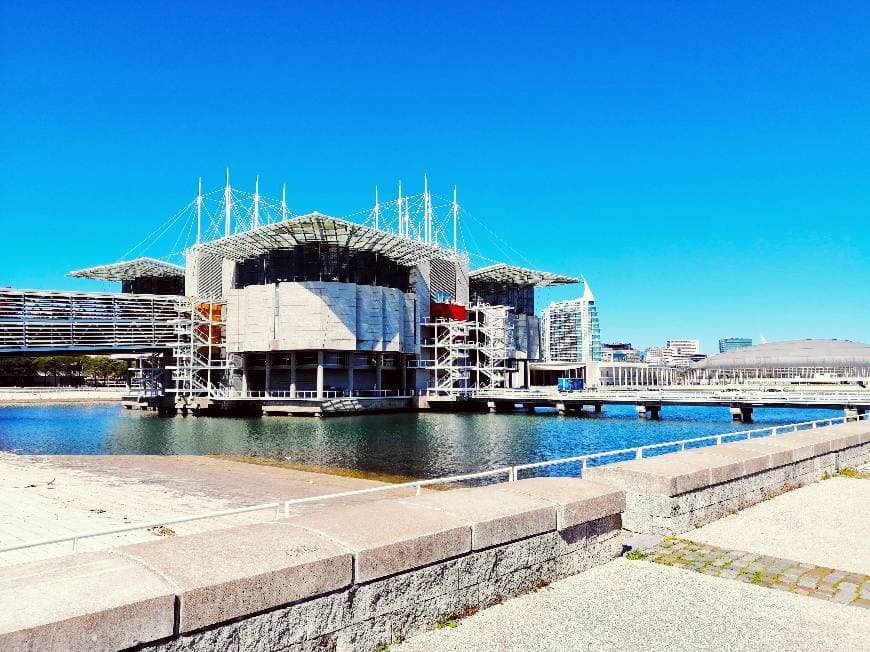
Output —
<point x="388" y="537"/>
<point x="577" y="501"/>
<point x="495" y="516"/>
<point x="723" y="467"/>
<point x="637" y="605"/>
<point x="660" y="475"/>
<point x="240" y="571"/>
<point x="52" y="496"/>
<point x="90" y="601"/>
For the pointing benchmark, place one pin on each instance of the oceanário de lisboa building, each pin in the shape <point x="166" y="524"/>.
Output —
<point x="300" y="314"/>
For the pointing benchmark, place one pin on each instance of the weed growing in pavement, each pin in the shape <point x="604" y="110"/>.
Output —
<point x="448" y="619"/>
<point x="635" y="555"/>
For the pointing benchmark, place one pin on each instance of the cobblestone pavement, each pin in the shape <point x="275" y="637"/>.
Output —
<point x="771" y="572"/>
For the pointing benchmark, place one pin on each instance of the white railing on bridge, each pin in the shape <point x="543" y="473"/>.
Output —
<point x="510" y="473"/>
<point x="311" y="394"/>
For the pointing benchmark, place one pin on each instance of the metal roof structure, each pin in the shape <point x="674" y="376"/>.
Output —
<point x="320" y="228"/>
<point x="130" y="269"/>
<point x="792" y="353"/>
<point x="522" y="276"/>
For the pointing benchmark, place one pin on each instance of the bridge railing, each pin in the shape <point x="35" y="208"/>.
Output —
<point x="676" y="395"/>
<point x="511" y="473"/>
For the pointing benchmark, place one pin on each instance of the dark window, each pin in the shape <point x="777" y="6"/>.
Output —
<point x="322" y="262"/>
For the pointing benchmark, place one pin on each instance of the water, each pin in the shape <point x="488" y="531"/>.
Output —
<point x="420" y="445"/>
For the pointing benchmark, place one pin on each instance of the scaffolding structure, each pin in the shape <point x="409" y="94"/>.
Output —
<point x="148" y="377"/>
<point x="493" y="344"/>
<point x="445" y="352"/>
<point x="202" y="369"/>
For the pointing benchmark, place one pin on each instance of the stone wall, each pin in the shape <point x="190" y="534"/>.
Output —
<point x="673" y="493"/>
<point x="346" y="578"/>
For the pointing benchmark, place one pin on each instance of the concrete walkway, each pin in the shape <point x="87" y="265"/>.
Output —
<point x="798" y="537"/>
<point x="638" y="605"/>
<point x="43" y="497"/>
<point x="825" y="524"/>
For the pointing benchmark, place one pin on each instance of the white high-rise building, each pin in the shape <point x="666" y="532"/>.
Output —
<point x="570" y="331"/>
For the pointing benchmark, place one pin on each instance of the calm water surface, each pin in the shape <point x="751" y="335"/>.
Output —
<point x="415" y="444"/>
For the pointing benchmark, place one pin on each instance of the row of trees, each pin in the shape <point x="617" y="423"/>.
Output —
<point x="61" y="370"/>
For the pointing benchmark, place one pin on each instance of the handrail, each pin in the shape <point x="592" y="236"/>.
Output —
<point x="512" y="473"/>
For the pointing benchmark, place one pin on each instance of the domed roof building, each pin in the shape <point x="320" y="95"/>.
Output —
<point x="799" y="361"/>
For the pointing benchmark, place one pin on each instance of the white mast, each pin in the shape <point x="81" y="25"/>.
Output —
<point x="401" y="213"/>
<point x="407" y="218"/>
<point x="455" y="218"/>
<point x="377" y="209"/>
<point x="283" y="202"/>
<point x="427" y="211"/>
<point x="199" y="213"/>
<point x="227" y="206"/>
<point x="256" y="223"/>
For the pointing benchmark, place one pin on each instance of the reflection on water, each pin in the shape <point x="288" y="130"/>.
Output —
<point x="414" y="444"/>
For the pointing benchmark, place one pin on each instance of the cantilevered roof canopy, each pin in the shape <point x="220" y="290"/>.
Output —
<point x="130" y="269"/>
<point x="502" y="273"/>
<point x="316" y="227"/>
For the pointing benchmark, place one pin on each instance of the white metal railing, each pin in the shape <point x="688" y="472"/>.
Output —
<point x="312" y="394"/>
<point x="680" y="395"/>
<point x="511" y="472"/>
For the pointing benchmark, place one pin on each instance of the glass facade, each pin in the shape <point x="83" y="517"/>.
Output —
<point x="322" y="262"/>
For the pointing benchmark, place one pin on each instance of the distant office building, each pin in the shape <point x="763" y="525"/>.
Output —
<point x="732" y="343"/>
<point x="570" y="331"/>
<point x="679" y="353"/>
<point x="654" y="355"/>
<point x="675" y="353"/>
<point x="619" y="352"/>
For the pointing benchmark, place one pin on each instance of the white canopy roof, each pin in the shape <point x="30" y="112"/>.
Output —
<point x="316" y="227"/>
<point x="503" y="273"/>
<point x="129" y="269"/>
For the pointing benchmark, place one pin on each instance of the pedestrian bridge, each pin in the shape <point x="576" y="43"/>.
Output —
<point x="42" y="322"/>
<point x="647" y="401"/>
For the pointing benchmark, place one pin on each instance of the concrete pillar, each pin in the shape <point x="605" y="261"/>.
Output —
<point x="852" y="413"/>
<point x="560" y="408"/>
<point x="652" y="410"/>
<point x="379" y="376"/>
<point x="244" y="374"/>
<point x="598" y="407"/>
<point x="268" y="386"/>
<point x="741" y="413"/>
<point x="403" y="362"/>
<point x="350" y="374"/>
<point x="320" y="375"/>
<point x="491" y="406"/>
<point x="292" y="374"/>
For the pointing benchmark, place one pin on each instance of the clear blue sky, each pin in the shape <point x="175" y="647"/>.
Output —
<point x="705" y="165"/>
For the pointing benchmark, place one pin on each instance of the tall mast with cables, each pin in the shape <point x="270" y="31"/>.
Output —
<point x="256" y="223"/>
<point x="227" y="206"/>
<point x="427" y="211"/>
<point x="401" y="212"/>
<point x="377" y="211"/>
<point x="455" y="219"/>
<point x="283" y="202"/>
<point x="199" y="213"/>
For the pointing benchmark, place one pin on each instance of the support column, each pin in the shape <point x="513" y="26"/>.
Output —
<point x="741" y="413"/>
<point x="268" y="387"/>
<point x="293" y="374"/>
<point x="320" y="375"/>
<point x="244" y="374"/>
<point x="852" y="413"/>
<point x="560" y="408"/>
<point x="652" y="410"/>
<point x="379" y="376"/>
<point x="403" y="362"/>
<point x="350" y="358"/>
